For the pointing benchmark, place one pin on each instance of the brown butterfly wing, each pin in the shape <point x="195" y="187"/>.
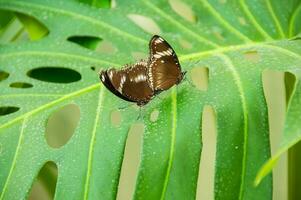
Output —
<point x="164" y="68"/>
<point x="132" y="83"/>
<point x="104" y="77"/>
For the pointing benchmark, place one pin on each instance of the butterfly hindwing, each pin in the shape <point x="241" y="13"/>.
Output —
<point x="104" y="77"/>
<point x="131" y="83"/>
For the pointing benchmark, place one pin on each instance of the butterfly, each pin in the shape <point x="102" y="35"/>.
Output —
<point x="143" y="80"/>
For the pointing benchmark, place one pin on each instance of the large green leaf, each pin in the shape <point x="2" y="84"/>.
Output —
<point x="235" y="40"/>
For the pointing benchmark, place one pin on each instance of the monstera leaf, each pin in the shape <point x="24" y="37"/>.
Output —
<point x="235" y="40"/>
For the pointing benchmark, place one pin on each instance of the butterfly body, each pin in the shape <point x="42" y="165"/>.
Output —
<point x="142" y="81"/>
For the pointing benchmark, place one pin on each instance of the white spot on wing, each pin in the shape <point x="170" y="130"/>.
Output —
<point x="122" y="80"/>
<point x="150" y="76"/>
<point x="168" y="52"/>
<point x="157" y="56"/>
<point x="140" y="78"/>
<point x="111" y="75"/>
<point x="103" y="77"/>
<point x="158" y="40"/>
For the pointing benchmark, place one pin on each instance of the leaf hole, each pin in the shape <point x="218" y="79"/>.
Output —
<point x="146" y="23"/>
<point x="200" y="77"/>
<point x="35" y="29"/>
<point x="6" y="18"/>
<point x="183" y="10"/>
<point x="205" y="185"/>
<point x="116" y="117"/>
<point x="106" y="47"/>
<point x="113" y="4"/>
<point x="130" y="163"/>
<point x="290" y="81"/>
<point x="20" y="85"/>
<point x="89" y="42"/>
<point x="12" y="30"/>
<point x="3" y="75"/>
<point x="6" y="110"/>
<point x="54" y="74"/>
<point x="154" y="115"/>
<point x="45" y="184"/>
<point x="274" y="88"/>
<point x="252" y="56"/>
<point x="61" y="125"/>
<point x="139" y="55"/>
<point x="93" y="68"/>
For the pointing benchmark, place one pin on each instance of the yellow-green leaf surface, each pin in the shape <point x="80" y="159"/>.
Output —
<point x="222" y="35"/>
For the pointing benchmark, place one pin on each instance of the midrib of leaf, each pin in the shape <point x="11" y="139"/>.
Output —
<point x="50" y="104"/>
<point x="78" y="16"/>
<point x="57" y="54"/>
<point x="292" y="20"/>
<point x="198" y="55"/>
<point x="230" y="27"/>
<point x="253" y="20"/>
<point x="238" y="83"/>
<point x="178" y="24"/>
<point x="92" y="142"/>
<point x="195" y="56"/>
<point x="271" y="10"/>
<point x="14" y="159"/>
<point x="172" y="142"/>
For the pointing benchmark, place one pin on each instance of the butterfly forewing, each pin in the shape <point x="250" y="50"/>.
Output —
<point x="164" y="68"/>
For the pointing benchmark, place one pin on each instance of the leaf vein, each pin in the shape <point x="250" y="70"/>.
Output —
<point x="181" y="26"/>
<point x="238" y="82"/>
<point x="14" y="159"/>
<point x="50" y="104"/>
<point x="253" y="20"/>
<point x="292" y="20"/>
<point x="30" y="95"/>
<point x="172" y="142"/>
<point x="224" y="22"/>
<point x="92" y="142"/>
<point x="275" y="18"/>
<point x="56" y="54"/>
